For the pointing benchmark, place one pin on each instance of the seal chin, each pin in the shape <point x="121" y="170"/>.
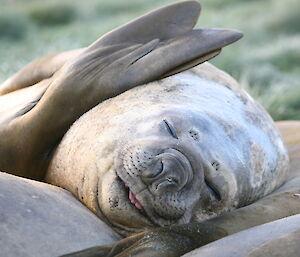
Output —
<point x="116" y="209"/>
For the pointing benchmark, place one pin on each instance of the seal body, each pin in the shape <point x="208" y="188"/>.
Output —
<point x="182" y="149"/>
<point x="277" y="238"/>
<point x="38" y="219"/>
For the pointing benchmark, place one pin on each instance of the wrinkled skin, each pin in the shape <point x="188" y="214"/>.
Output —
<point x="283" y="202"/>
<point x="159" y="158"/>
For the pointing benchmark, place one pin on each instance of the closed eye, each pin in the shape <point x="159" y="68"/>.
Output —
<point x="170" y="129"/>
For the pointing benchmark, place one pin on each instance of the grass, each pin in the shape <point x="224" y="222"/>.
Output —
<point x="52" y="15"/>
<point x="12" y="28"/>
<point x="266" y="61"/>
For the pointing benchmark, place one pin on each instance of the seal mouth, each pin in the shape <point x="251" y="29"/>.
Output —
<point x="131" y="196"/>
<point x="132" y="200"/>
<point x="119" y="207"/>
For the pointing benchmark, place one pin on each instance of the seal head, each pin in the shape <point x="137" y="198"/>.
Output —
<point x="186" y="148"/>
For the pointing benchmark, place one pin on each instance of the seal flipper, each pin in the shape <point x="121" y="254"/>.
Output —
<point x="146" y="64"/>
<point x="164" y="23"/>
<point x="181" y="47"/>
<point x="181" y="53"/>
<point x="118" y="61"/>
<point x="36" y="71"/>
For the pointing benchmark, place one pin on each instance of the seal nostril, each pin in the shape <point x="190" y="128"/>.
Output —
<point x="172" y="180"/>
<point x="216" y="165"/>
<point x="194" y="134"/>
<point x="169" y="180"/>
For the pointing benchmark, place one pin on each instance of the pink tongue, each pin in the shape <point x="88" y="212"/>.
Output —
<point x="134" y="201"/>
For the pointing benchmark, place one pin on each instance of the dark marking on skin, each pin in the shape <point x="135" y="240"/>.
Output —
<point x="170" y="89"/>
<point x="174" y="87"/>
<point x="79" y="192"/>
<point x="114" y="202"/>
<point x="254" y="118"/>
<point x="216" y="165"/>
<point x="227" y="86"/>
<point x="194" y="134"/>
<point x="243" y="98"/>
<point x="170" y="129"/>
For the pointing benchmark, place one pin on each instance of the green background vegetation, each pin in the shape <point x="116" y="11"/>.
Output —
<point x="266" y="61"/>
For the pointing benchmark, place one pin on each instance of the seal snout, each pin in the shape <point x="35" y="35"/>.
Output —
<point x="157" y="180"/>
<point x="169" y="171"/>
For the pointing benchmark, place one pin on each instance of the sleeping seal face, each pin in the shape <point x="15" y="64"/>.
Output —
<point x="182" y="149"/>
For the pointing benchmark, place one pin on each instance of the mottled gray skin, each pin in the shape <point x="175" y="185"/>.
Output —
<point x="189" y="147"/>
<point x="38" y="219"/>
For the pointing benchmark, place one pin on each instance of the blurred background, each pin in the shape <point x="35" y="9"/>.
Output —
<point x="266" y="61"/>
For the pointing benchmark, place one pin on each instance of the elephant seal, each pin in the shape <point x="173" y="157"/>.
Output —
<point x="40" y="102"/>
<point x="38" y="219"/>
<point x="173" y="164"/>
<point x="183" y="149"/>
<point x="176" y="240"/>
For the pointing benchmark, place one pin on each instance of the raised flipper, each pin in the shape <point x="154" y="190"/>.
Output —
<point x="178" y="48"/>
<point x="164" y="23"/>
<point x="36" y="71"/>
<point x="156" y="45"/>
<point x="177" y="240"/>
